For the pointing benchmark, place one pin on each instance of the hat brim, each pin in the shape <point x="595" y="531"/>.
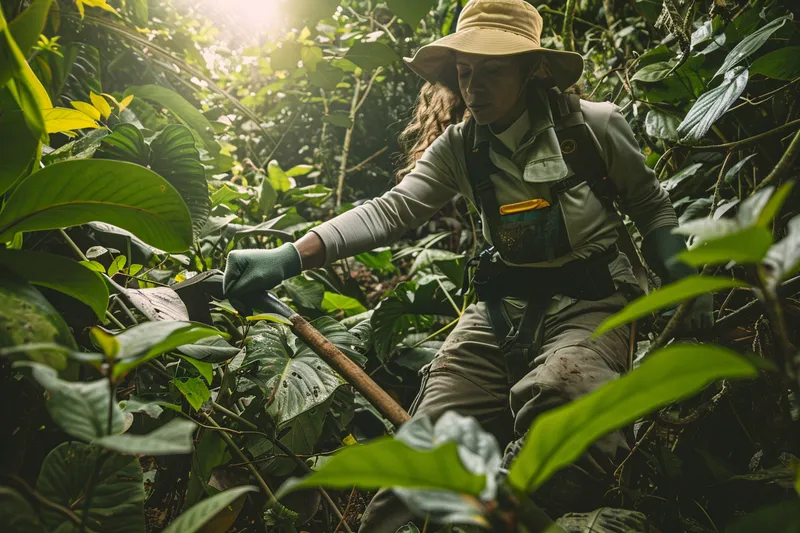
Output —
<point x="435" y="62"/>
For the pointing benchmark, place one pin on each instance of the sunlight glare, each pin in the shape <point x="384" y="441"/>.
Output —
<point x="254" y="15"/>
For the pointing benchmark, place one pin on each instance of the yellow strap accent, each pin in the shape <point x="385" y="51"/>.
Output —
<point x="527" y="205"/>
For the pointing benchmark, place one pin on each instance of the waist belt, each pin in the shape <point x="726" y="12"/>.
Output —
<point x="583" y="279"/>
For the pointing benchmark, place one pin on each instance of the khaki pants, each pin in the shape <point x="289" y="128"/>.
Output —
<point x="468" y="375"/>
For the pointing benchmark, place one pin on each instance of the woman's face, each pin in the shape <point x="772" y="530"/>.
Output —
<point x="491" y="87"/>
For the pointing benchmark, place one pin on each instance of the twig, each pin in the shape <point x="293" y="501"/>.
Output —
<point x="348" y="137"/>
<point x="618" y="471"/>
<point x="721" y="176"/>
<point x="784" y="165"/>
<point x="750" y="140"/>
<point x="346" y="509"/>
<point x="367" y="160"/>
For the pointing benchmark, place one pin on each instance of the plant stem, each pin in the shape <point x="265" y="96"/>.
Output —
<point x="72" y="245"/>
<point x="114" y="320"/>
<point x="348" y="137"/>
<point x="569" y="18"/>
<point x="47" y="503"/>
<point x="750" y="140"/>
<point x="784" y="165"/>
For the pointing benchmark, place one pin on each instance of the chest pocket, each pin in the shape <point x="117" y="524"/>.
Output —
<point x="538" y="233"/>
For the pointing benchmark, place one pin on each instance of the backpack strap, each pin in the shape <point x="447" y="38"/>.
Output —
<point x="479" y="171"/>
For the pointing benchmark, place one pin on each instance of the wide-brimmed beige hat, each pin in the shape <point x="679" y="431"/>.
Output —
<point x="495" y="28"/>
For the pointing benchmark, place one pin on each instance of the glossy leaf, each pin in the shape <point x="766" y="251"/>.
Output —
<point x="653" y="73"/>
<point x="86" y="109"/>
<point x="780" y="64"/>
<point x="750" y="44"/>
<point x="126" y="195"/>
<point x="277" y="177"/>
<point x="81" y="409"/>
<point x="749" y="245"/>
<point x="333" y="302"/>
<point x="667" y="296"/>
<point x="712" y="105"/>
<point x="117" y="504"/>
<point x="194" y="390"/>
<point x="139" y="344"/>
<point x="174" y="437"/>
<point x="176" y="159"/>
<point x="20" y="147"/>
<point x="559" y="437"/>
<point x="126" y="143"/>
<point x="661" y="125"/>
<point x="389" y="462"/>
<point x="185" y="112"/>
<point x="101" y="104"/>
<point x="783" y="259"/>
<point x="58" y="273"/>
<point x="380" y="260"/>
<point x="370" y="56"/>
<point x="299" y="170"/>
<point x="60" y="119"/>
<point x="203" y="512"/>
<point x="28" y="25"/>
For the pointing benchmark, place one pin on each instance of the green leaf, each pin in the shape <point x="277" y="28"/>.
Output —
<point x="194" y="390"/>
<point x="749" y="245"/>
<point x="117" y="504"/>
<point x="176" y="159"/>
<point x="340" y="119"/>
<point x="333" y="330"/>
<point x="209" y="453"/>
<point x="751" y="44"/>
<point x="269" y="195"/>
<point x="27" y="27"/>
<point x="558" y="437"/>
<point x="370" y="56"/>
<point x="277" y="177"/>
<point x="773" y="206"/>
<point x="298" y="381"/>
<point x="173" y="438"/>
<point x="388" y="462"/>
<point x="332" y="302"/>
<point x="210" y="349"/>
<point x="75" y="192"/>
<point x="58" y="273"/>
<point x="667" y="296"/>
<point x="185" y="112"/>
<point x="783" y="259"/>
<point x="299" y="170"/>
<point x="81" y="409"/>
<point x="411" y="11"/>
<point x="116" y="265"/>
<point x="17" y="514"/>
<point x="326" y="76"/>
<point x="732" y="172"/>
<point x="783" y="517"/>
<point x="780" y="64"/>
<point x="126" y="143"/>
<point x="226" y="194"/>
<point x="304" y="292"/>
<point x="202" y="513"/>
<point x="380" y="260"/>
<point x="661" y="125"/>
<point x="60" y="119"/>
<point x="712" y="105"/>
<point x="654" y="72"/>
<point x="139" y="344"/>
<point x="19" y="147"/>
<point x="206" y="369"/>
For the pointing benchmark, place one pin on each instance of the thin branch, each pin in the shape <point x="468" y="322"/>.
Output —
<point x="347" y="508"/>
<point x="367" y="160"/>
<point x="48" y="503"/>
<point x="750" y="140"/>
<point x="784" y="165"/>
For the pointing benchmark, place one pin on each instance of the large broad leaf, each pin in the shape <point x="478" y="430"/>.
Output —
<point x="141" y="343"/>
<point x="126" y="143"/>
<point x="61" y="119"/>
<point x="780" y="64"/>
<point x="81" y="409"/>
<point x="390" y="462"/>
<point x="333" y="302"/>
<point x="654" y="72"/>
<point x="297" y="381"/>
<point x="75" y="192"/>
<point x="411" y="11"/>
<point x="205" y="511"/>
<point x="667" y="296"/>
<point x="783" y="517"/>
<point x="182" y="110"/>
<point x="559" y="437"/>
<point x="174" y="437"/>
<point x="749" y="245"/>
<point x="661" y="125"/>
<point x="175" y="158"/>
<point x="117" y="504"/>
<point x="18" y="147"/>
<point x="17" y="514"/>
<point x="712" y="105"/>
<point x="158" y="303"/>
<point x="27" y="27"/>
<point x="750" y="44"/>
<point x="370" y="56"/>
<point x="333" y="330"/>
<point x="58" y="273"/>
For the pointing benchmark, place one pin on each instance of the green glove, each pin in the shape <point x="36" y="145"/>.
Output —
<point x="249" y="272"/>
<point x="660" y="249"/>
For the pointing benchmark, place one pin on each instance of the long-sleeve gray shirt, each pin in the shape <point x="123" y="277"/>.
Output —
<point x="523" y="174"/>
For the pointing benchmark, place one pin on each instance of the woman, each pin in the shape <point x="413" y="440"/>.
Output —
<point x="543" y="168"/>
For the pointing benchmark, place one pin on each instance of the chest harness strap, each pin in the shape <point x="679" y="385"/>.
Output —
<point x="494" y="280"/>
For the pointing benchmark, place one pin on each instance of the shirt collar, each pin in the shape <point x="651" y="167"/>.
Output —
<point x="539" y="120"/>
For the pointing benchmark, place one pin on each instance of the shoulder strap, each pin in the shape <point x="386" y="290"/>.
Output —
<point x="479" y="171"/>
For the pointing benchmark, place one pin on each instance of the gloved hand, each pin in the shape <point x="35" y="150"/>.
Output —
<point x="249" y="272"/>
<point x="659" y="249"/>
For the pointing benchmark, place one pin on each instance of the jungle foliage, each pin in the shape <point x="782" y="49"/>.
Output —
<point x="142" y="140"/>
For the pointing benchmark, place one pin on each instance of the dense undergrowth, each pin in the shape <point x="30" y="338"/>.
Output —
<point x="141" y="141"/>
